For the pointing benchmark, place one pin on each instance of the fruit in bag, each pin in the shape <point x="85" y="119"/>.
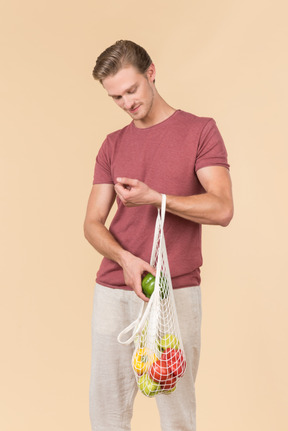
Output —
<point x="148" y="285"/>
<point x="169" y="341"/>
<point x="142" y="359"/>
<point x="148" y="386"/>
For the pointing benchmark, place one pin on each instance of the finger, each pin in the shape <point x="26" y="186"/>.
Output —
<point x="150" y="269"/>
<point x="141" y="295"/>
<point x="127" y="181"/>
<point x="122" y="187"/>
<point x="118" y="189"/>
<point x="120" y="192"/>
<point x="139" y="292"/>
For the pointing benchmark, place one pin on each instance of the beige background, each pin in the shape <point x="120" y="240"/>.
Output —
<point x="225" y="59"/>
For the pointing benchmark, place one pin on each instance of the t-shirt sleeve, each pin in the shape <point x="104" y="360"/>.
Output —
<point x="102" y="169"/>
<point x="211" y="148"/>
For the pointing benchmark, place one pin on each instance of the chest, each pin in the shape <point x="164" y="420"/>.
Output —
<point x="165" y="162"/>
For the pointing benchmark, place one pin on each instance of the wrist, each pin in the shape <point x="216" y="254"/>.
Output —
<point x="123" y="257"/>
<point x="157" y="199"/>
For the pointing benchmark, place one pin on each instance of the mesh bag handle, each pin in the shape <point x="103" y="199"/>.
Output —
<point x="138" y="324"/>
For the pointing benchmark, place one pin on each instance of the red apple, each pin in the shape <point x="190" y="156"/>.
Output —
<point x="170" y="383"/>
<point x="177" y="364"/>
<point x="168" y="354"/>
<point x="159" y="371"/>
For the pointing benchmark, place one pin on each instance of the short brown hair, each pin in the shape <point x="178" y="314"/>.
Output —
<point x="123" y="53"/>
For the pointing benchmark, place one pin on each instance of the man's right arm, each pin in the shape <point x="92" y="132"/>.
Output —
<point x="100" y="202"/>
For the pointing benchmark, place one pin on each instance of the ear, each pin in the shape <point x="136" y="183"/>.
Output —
<point x="151" y="73"/>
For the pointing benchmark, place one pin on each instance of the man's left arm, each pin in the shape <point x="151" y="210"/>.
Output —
<point x="215" y="206"/>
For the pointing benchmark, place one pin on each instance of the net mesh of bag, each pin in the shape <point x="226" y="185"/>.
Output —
<point x="158" y="360"/>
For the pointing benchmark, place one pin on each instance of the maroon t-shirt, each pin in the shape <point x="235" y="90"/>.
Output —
<point x="166" y="157"/>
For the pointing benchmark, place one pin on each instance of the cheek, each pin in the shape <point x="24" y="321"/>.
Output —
<point x="119" y="103"/>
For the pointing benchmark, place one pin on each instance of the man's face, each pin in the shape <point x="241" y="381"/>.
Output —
<point x="132" y="91"/>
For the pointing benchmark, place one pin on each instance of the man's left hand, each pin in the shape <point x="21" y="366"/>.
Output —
<point x="133" y="192"/>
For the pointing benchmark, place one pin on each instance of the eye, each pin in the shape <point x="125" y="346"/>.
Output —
<point x="116" y="97"/>
<point x="133" y="90"/>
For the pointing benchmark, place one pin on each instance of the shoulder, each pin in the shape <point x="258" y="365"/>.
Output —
<point x="195" y="123"/>
<point x="114" y="136"/>
<point x="193" y="119"/>
<point x="114" y="139"/>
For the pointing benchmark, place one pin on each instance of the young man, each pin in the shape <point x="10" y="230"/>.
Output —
<point x="162" y="150"/>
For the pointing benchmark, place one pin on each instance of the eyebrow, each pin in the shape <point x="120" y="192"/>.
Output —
<point x="128" y="89"/>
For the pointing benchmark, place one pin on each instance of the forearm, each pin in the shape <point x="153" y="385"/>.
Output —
<point x="205" y="208"/>
<point x="103" y="241"/>
<point x="214" y="206"/>
<point x="133" y="267"/>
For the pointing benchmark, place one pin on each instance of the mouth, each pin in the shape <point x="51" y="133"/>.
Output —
<point x="134" y="109"/>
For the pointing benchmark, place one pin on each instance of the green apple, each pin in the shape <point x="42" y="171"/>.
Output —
<point x="148" y="285"/>
<point x="169" y="340"/>
<point x="147" y="386"/>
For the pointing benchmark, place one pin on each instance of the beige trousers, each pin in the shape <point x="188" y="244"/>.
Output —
<point x="113" y="386"/>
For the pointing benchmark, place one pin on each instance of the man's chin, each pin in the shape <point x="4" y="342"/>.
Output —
<point x="135" y="116"/>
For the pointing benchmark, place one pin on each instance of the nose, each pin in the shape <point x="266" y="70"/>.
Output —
<point x="127" y="102"/>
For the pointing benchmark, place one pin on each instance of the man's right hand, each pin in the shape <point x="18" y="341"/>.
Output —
<point x="100" y="202"/>
<point x="133" y="268"/>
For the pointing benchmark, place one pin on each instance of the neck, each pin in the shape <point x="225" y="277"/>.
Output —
<point x="159" y="112"/>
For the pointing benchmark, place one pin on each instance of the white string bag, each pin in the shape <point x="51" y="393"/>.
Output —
<point x="158" y="359"/>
